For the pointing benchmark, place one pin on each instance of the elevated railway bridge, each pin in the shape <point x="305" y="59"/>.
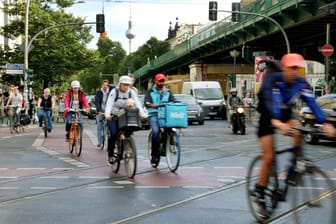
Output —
<point x="308" y="24"/>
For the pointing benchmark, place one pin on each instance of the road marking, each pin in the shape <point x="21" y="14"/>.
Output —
<point x="9" y="188"/>
<point x="229" y="167"/>
<point x="123" y="182"/>
<point x="196" y="187"/>
<point x="3" y="169"/>
<point x="226" y="180"/>
<point x="43" y="188"/>
<point x="31" y="168"/>
<point x="8" y="177"/>
<point x="105" y="187"/>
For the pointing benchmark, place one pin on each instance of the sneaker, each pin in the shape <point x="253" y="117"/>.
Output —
<point x="261" y="210"/>
<point x="110" y="161"/>
<point x="49" y="130"/>
<point x="40" y="124"/>
<point x="67" y="137"/>
<point x="154" y="162"/>
<point x="98" y="145"/>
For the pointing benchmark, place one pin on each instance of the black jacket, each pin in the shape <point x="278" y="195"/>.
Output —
<point x="99" y="98"/>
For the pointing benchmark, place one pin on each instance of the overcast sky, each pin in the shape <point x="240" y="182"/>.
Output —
<point x="150" y="17"/>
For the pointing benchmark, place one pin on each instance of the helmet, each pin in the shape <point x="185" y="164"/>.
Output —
<point x="233" y="90"/>
<point x="159" y="77"/>
<point x="75" y="84"/>
<point x="125" y="79"/>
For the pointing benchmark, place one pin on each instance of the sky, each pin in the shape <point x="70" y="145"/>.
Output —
<point x="150" y="18"/>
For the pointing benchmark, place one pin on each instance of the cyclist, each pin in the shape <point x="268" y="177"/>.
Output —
<point x="233" y="100"/>
<point x="155" y="96"/>
<point x="100" y="102"/>
<point x="45" y="104"/>
<point x="277" y="95"/>
<point x="116" y="101"/>
<point x="16" y="102"/>
<point x="75" y="99"/>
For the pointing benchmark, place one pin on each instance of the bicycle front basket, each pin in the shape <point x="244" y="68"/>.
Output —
<point x="173" y="115"/>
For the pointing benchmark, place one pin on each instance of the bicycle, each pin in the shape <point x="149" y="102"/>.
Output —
<point x="76" y="133"/>
<point x="172" y="116"/>
<point x="125" y="148"/>
<point x="14" y="120"/>
<point x="313" y="193"/>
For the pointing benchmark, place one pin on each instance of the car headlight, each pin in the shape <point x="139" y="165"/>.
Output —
<point x="240" y="110"/>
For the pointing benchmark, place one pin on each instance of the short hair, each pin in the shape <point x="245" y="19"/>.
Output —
<point x="47" y="90"/>
<point x="105" y="80"/>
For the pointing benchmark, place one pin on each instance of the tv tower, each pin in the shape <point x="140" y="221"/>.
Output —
<point x="129" y="32"/>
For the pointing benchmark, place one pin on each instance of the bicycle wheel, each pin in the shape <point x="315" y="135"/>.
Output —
<point x="173" y="151"/>
<point x="130" y="157"/>
<point x="45" y="129"/>
<point x="150" y="150"/>
<point x="78" y="140"/>
<point x="314" y="199"/>
<point x="271" y="194"/>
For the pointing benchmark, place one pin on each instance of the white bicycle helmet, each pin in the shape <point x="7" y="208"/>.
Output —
<point x="233" y="90"/>
<point x="125" y="79"/>
<point x="75" y="84"/>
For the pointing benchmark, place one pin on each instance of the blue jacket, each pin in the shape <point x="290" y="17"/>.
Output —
<point x="276" y="97"/>
<point x="153" y="96"/>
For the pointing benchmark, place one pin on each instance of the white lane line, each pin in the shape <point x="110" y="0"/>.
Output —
<point x="105" y="187"/>
<point x="231" y="177"/>
<point x="54" y="177"/>
<point x="31" y="168"/>
<point x="226" y="180"/>
<point x="3" y="169"/>
<point x="152" y="187"/>
<point x="123" y="182"/>
<point x="9" y="177"/>
<point x="60" y="168"/>
<point x="38" y="141"/>
<point x="192" y="167"/>
<point x="9" y="188"/>
<point x="43" y="188"/>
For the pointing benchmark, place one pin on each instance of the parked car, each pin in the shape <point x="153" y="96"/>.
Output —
<point x="195" y="110"/>
<point x="144" y="123"/>
<point x="328" y="104"/>
<point x="93" y="110"/>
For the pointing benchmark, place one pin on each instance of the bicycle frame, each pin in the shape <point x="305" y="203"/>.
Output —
<point x="75" y="141"/>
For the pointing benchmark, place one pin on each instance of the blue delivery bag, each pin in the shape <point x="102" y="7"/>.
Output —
<point x="173" y="115"/>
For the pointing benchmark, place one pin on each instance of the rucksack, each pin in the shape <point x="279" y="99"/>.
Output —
<point x="117" y="95"/>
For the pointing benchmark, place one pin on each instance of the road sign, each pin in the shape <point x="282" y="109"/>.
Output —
<point x="14" y="71"/>
<point x="327" y="50"/>
<point x="14" y="66"/>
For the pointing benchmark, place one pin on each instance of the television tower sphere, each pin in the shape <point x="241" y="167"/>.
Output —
<point x="129" y="33"/>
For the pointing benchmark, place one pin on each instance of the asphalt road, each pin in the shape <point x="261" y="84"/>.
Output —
<point x="40" y="182"/>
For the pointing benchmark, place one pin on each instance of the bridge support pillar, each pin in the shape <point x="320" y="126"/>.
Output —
<point x="197" y="72"/>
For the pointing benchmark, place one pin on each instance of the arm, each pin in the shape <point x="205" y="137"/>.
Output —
<point x="109" y="104"/>
<point x="39" y="102"/>
<point x="53" y="102"/>
<point x="98" y="102"/>
<point x="137" y="102"/>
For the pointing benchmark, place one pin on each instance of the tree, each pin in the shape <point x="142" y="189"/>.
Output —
<point x="58" y="53"/>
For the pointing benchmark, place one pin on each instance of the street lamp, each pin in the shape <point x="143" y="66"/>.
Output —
<point x="234" y="54"/>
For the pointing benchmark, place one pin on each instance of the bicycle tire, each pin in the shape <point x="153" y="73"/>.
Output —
<point x="78" y="140"/>
<point x="116" y="154"/>
<point x="45" y="129"/>
<point x="314" y="200"/>
<point x="173" y="151"/>
<point x="272" y="196"/>
<point x="130" y="157"/>
<point x="150" y="150"/>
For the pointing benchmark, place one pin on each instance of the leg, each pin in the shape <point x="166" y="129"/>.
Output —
<point x="154" y="124"/>
<point x="68" y="124"/>
<point x="100" y="126"/>
<point x="113" y="128"/>
<point x="40" y="114"/>
<point x="49" y="125"/>
<point x="266" y="144"/>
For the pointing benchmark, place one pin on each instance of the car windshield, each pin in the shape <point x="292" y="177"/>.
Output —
<point x="327" y="103"/>
<point x="188" y="99"/>
<point x="208" y="93"/>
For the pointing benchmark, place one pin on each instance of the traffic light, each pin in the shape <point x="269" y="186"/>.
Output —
<point x="235" y="7"/>
<point x="213" y="11"/>
<point x="100" y="23"/>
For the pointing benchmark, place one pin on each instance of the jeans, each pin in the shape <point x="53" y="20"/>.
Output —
<point x="113" y="127"/>
<point x="40" y="117"/>
<point x="100" y="118"/>
<point x="154" y="125"/>
<point x="69" y="118"/>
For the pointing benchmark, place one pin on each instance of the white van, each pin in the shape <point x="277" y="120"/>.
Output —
<point x="210" y="95"/>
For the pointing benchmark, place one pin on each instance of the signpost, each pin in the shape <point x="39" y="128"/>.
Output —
<point x="14" y="69"/>
<point x="327" y="50"/>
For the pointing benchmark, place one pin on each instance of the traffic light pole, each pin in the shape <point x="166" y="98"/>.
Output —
<point x="266" y="17"/>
